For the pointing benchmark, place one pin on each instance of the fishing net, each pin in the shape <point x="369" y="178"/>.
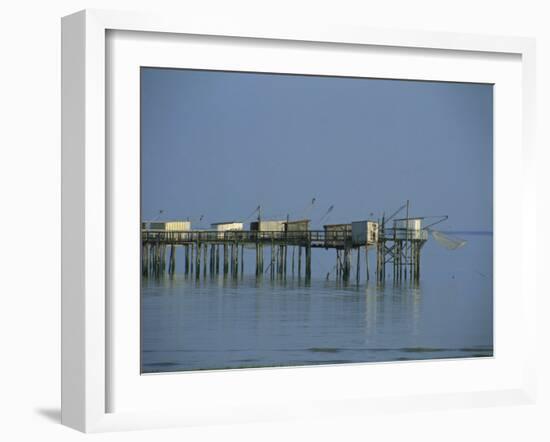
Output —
<point x="447" y="241"/>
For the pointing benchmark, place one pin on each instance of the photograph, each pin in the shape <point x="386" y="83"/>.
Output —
<point x="301" y="220"/>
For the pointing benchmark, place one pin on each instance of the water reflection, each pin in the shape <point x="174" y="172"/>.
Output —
<point x="213" y="323"/>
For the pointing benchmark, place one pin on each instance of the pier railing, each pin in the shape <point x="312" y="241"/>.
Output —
<point x="319" y="238"/>
<point x="242" y="236"/>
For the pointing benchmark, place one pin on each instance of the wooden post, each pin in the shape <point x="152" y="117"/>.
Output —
<point x="277" y="256"/>
<point x="418" y="260"/>
<point x="400" y="260"/>
<point x="367" y="260"/>
<point x="281" y="257"/>
<point x="204" y="260"/>
<point x="172" y="263"/>
<point x="418" y="263"/>
<point x="402" y="265"/>
<point x="284" y="260"/>
<point x="143" y="248"/>
<point x="414" y="256"/>
<point x="378" y="261"/>
<point x="308" y="261"/>
<point x="242" y="259"/>
<point x="225" y="262"/>
<point x="150" y="260"/>
<point x="144" y="257"/>
<point x="406" y="257"/>
<point x="162" y="258"/>
<point x="213" y="248"/>
<point x="272" y="265"/>
<point x="299" y="261"/>
<point x="186" y="262"/>
<point x="293" y="250"/>
<point x="153" y="259"/>
<point x="191" y="255"/>
<point x="345" y="264"/>
<point x="198" y="260"/>
<point x="232" y="259"/>
<point x="236" y="265"/>
<point x="348" y="263"/>
<point x="261" y="259"/>
<point x="157" y="259"/>
<point x="257" y="258"/>
<point x="396" y="260"/>
<point x="357" y="274"/>
<point x="413" y="261"/>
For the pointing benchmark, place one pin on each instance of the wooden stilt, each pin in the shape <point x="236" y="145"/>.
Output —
<point x="225" y="260"/>
<point x="308" y="261"/>
<point x="257" y="259"/>
<point x="358" y="265"/>
<point x="367" y="261"/>
<point x="272" y="265"/>
<point x="172" y="263"/>
<point x="236" y="263"/>
<point x="213" y="248"/>
<point x="191" y="255"/>
<point x="198" y="260"/>
<point x="242" y="260"/>
<point x="284" y="261"/>
<point x="299" y="261"/>
<point x="205" y="252"/>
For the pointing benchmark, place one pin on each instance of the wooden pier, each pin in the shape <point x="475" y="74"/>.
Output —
<point x="214" y="252"/>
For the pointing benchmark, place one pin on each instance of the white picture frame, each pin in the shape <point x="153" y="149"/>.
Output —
<point x="86" y="314"/>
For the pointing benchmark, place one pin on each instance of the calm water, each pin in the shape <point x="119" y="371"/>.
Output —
<point x="190" y="324"/>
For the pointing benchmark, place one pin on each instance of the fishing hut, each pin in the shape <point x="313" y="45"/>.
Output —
<point x="301" y="225"/>
<point x="170" y="226"/>
<point x="400" y="249"/>
<point x="267" y="226"/>
<point x="364" y="233"/>
<point x="226" y="226"/>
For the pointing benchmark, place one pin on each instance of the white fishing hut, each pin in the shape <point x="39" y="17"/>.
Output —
<point x="170" y="226"/>
<point x="268" y="226"/>
<point x="409" y="228"/>
<point x="226" y="226"/>
<point x="364" y="232"/>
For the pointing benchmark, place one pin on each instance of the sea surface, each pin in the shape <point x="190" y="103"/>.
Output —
<point x="225" y="323"/>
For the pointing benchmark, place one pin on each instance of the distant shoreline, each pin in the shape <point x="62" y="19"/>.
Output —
<point x="467" y="232"/>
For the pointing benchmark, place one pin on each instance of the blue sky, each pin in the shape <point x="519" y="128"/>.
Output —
<point x="219" y="143"/>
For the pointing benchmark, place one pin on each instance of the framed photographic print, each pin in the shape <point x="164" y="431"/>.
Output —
<point x="263" y="222"/>
<point x="289" y="282"/>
